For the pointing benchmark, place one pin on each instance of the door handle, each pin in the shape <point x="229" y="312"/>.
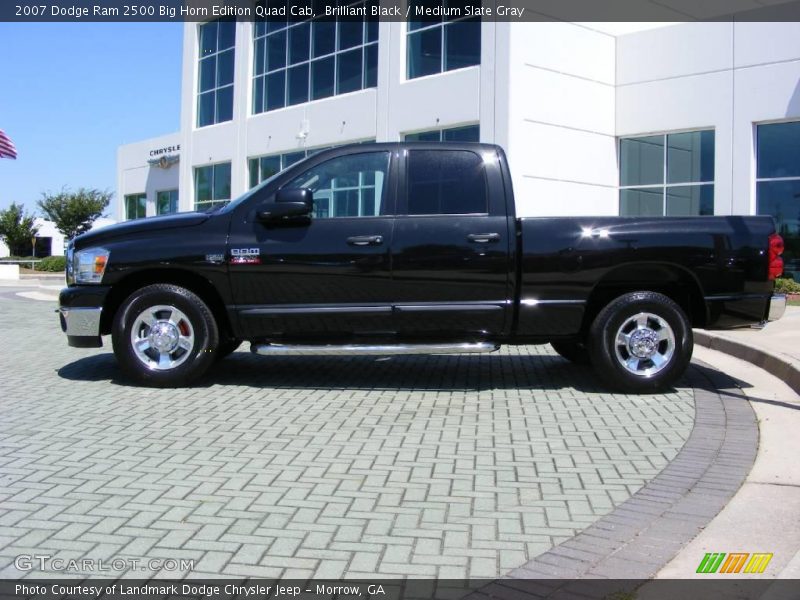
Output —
<point x="365" y="240"/>
<point x="483" y="238"/>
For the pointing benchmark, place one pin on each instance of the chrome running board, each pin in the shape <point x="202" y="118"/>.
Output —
<point x="379" y="350"/>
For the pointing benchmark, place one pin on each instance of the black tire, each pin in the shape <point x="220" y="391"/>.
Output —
<point x="226" y="348"/>
<point x="183" y="320"/>
<point x="640" y="361"/>
<point x="573" y="350"/>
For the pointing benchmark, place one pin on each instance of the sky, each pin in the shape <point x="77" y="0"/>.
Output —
<point x="71" y="93"/>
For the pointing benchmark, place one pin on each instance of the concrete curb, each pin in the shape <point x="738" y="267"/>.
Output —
<point x="641" y="535"/>
<point x="774" y="364"/>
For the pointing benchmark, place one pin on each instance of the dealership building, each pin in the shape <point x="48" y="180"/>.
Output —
<point x="596" y="118"/>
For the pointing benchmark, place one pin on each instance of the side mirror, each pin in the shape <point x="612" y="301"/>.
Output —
<point x="289" y="204"/>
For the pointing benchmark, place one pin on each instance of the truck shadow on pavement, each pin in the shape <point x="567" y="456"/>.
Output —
<point x="735" y="382"/>
<point x="434" y="373"/>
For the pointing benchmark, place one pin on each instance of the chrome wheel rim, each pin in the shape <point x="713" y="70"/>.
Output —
<point x="644" y="344"/>
<point x="162" y="337"/>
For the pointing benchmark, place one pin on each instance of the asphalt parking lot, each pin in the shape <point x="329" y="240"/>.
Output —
<point x="448" y="466"/>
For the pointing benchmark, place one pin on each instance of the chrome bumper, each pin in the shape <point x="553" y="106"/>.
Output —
<point x="80" y="321"/>
<point x="777" y="306"/>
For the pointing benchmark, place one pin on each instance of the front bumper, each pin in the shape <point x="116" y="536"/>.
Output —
<point x="777" y="306"/>
<point x="81" y="320"/>
<point x="80" y="313"/>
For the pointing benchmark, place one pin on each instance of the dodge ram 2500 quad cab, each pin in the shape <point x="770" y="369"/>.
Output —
<point x="408" y="249"/>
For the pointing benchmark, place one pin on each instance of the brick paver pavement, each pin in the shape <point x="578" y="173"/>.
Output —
<point x="448" y="466"/>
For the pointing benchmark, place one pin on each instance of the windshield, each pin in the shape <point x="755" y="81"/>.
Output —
<point x="248" y="194"/>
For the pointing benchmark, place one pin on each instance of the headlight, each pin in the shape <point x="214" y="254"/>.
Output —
<point x="90" y="264"/>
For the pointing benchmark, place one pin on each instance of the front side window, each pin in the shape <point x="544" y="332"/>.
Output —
<point x="436" y="44"/>
<point x="778" y="186"/>
<point x="264" y="167"/>
<point x="347" y="186"/>
<point x="167" y="202"/>
<point x="215" y="72"/>
<point x="295" y="62"/>
<point x="470" y="133"/>
<point x="212" y="186"/>
<point x="446" y="182"/>
<point x="135" y="206"/>
<point x="670" y="175"/>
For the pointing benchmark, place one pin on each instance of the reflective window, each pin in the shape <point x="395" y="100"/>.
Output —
<point x="471" y="133"/>
<point x="670" y="174"/>
<point x="215" y="72"/>
<point x="212" y="186"/>
<point x="778" y="186"/>
<point x="779" y="150"/>
<point x="437" y="43"/>
<point x="446" y="182"/>
<point x="135" y="206"/>
<point x="167" y="202"/>
<point x="295" y="62"/>
<point x="347" y="186"/>
<point x="264" y="167"/>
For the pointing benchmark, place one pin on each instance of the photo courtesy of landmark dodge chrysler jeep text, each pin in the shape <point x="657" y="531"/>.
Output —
<point x="410" y="249"/>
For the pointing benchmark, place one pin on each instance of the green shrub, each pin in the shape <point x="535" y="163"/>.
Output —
<point x="52" y="264"/>
<point x="787" y="286"/>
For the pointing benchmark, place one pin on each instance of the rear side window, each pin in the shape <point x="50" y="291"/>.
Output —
<point x="446" y="182"/>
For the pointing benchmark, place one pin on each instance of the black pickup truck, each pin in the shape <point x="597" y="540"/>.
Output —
<point x="411" y="249"/>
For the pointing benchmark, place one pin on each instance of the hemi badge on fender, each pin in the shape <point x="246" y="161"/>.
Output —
<point x="245" y="260"/>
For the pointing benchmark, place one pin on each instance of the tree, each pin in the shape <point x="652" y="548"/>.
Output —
<point x="17" y="229"/>
<point x="74" y="212"/>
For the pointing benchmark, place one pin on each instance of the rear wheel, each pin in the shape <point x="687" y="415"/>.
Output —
<point x="164" y="336"/>
<point x="641" y="342"/>
<point x="573" y="350"/>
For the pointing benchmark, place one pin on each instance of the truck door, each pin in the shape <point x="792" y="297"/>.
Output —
<point x="328" y="277"/>
<point x="451" y="245"/>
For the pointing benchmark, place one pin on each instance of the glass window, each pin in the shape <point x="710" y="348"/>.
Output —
<point x="690" y="157"/>
<point x="347" y="186"/>
<point x="778" y="186"/>
<point x="265" y="167"/>
<point x="670" y="174"/>
<point x="212" y="186"/>
<point x="135" y="206"/>
<point x="446" y="182"/>
<point x="779" y="150"/>
<point x="470" y="133"/>
<point x="296" y="62"/>
<point x="436" y="45"/>
<point x="642" y="160"/>
<point x="167" y="202"/>
<point x="215" y="72"/>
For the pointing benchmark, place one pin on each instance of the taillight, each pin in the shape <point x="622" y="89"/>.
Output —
<point x="775" y="260"/>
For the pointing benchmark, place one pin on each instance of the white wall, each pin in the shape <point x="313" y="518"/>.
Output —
<point x="560" y="122"/>
<point x="136" y="176"/>
<point x="724" y="76"/>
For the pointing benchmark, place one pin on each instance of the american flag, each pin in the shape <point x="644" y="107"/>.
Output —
<point x="7" y="149"/>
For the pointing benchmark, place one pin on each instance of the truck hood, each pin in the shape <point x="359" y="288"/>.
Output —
<point x="103" y="234"/>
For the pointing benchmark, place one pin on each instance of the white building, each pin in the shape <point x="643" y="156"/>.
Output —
<point x="49" y="240"/>
<point x="690" y="118"/>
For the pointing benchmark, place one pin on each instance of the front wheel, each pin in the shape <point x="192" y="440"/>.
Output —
<point x="641" y="342"/>
<point x="164" y="336"/>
